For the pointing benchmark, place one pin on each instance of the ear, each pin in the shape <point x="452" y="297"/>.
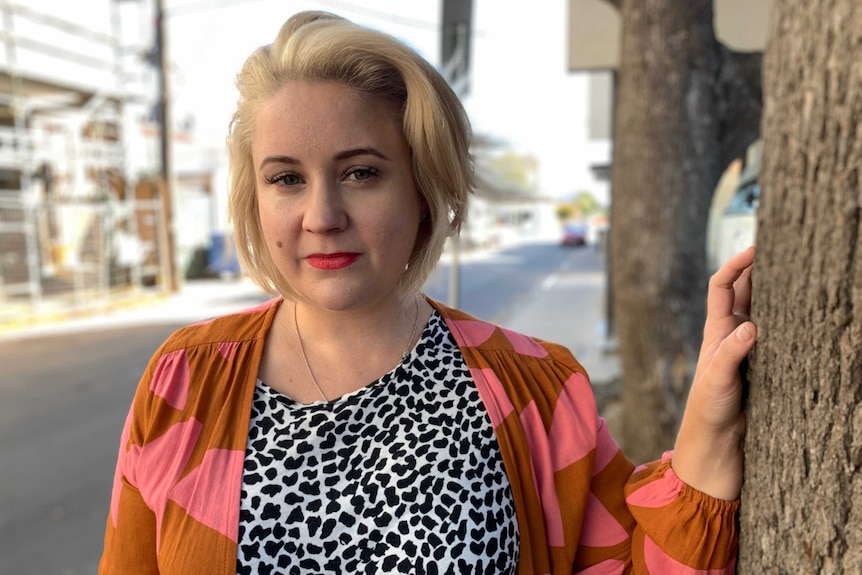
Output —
<point x="425" y="213"/>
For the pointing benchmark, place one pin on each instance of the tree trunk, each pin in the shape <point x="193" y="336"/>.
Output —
<point x="802" y="497"/>
<point x="685" y="108"/>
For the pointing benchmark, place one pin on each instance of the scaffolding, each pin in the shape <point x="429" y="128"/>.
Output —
<point x="74" y="224"/>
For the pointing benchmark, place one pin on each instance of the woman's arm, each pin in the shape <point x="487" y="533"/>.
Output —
<point x="130" y="534"/>
<point x="708" y="453"/>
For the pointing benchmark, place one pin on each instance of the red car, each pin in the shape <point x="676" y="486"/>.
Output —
<point x="574" y="235"/>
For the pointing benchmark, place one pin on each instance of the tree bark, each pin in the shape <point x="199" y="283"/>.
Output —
<point x="685" y="105"/>
<point x="802" y="496"/>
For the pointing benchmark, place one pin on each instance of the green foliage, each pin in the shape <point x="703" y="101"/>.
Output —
<point x="514" y="168"/>
<point x="583" y="205"/>
<point x="564" y="212"/>
<point x="587" y="204"/>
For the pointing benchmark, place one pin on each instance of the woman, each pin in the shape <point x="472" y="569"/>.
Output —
<point x="353" y="425"/>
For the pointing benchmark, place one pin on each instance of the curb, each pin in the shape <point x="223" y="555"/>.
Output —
<point x="33" y="316"/>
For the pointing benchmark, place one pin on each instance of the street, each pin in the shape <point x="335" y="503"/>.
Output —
<point x="64" y="396"/>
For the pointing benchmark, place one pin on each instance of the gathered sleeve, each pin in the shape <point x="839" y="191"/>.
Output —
<point x="679" y="529"/>
<point x="646" y="521"/>
<point x="582" y="506"/>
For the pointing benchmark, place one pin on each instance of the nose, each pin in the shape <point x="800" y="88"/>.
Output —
<point x="324" y="208"/>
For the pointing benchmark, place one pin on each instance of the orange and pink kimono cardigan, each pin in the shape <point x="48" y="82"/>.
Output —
<point x="582" y="506"/>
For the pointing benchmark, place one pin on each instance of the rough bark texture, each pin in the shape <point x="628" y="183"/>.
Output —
<point x="684" y="106"/>
<point x="802" y="497"/>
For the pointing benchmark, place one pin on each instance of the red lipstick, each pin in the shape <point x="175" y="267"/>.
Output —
<point x="334" y="261"/>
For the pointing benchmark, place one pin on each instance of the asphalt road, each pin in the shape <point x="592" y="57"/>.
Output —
<point x="63" y="401"/>
<point x="64" y="397"/>
<point x="492" y="286"/>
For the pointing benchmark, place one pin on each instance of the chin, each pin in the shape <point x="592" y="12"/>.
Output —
<point x="347" y="298"/>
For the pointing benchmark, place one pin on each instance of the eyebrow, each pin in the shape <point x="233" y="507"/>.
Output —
<point x="360" y="152"/>
<point x="339" y="156"/>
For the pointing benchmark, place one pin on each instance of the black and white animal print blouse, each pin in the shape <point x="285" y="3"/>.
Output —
<point x="401" y="476"/>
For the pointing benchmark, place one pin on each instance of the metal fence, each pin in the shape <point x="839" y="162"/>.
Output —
<point x="78" y="253"/>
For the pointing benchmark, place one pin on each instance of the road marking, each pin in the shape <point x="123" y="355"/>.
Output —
<point x="582" y="279"/>
<point x="550" y="281"/>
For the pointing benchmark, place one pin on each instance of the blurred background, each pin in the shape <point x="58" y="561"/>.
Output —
<point x="114" y="115"/>
<point x="113" y="224"/>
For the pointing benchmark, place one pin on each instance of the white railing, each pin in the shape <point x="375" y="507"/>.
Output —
<point x="77" y="254"/>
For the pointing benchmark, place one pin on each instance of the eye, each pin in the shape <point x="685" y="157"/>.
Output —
<point x="361" y="173"/>
<point x="284" y="178"/>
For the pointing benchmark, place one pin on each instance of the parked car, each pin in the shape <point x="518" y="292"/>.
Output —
<point x="574" y="234"/>
<point x="736" y="224"/>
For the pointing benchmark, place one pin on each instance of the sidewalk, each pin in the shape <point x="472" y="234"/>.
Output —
<point x="567" y="308"/>
<point x="197" y="300"/>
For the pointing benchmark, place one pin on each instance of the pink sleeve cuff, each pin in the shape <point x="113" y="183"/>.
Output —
<point x="681" y="524"/>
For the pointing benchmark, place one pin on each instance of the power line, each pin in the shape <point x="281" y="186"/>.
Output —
<point x="59" y="23"/>
<point x="394" y="18"/>
<point x="208" y="5"/>
<point x="203" y="6"/>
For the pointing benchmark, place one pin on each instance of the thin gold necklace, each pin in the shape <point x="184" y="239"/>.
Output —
<point x="413" y="331"/>
<point x="305" y="357"/>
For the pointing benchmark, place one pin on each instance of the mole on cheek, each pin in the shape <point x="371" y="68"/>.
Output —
<point x="278" y="243"/>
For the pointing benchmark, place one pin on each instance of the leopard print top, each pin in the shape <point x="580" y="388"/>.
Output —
<point x="401" y="476"/>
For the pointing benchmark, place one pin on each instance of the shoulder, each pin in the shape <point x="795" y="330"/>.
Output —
<point x="521" y="377"/>
<point x="477" y="337"/>
<point x="198" y="354"/>
<point x="247" y="325"/>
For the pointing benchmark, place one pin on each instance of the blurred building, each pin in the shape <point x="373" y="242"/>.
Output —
<point x="594" y="44"/>
<point x="594" y="49"/>
<point x="80" y="213"/>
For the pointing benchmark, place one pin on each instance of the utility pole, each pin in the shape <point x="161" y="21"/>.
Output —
<point x="168" y="255"/>
<point x="455" y="59"/>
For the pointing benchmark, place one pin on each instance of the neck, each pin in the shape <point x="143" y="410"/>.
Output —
<point x="387" y="326"/>
<point x="388" y="317"/>
<point x="385" y="339"/>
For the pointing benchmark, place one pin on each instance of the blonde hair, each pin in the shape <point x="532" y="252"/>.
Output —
<point x="318" y="46"/>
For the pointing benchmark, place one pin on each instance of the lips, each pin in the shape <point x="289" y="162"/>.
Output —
<point x="334" y="261"/>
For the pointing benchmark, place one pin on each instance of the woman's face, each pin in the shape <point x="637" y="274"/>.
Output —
<point x="338" y="207"/>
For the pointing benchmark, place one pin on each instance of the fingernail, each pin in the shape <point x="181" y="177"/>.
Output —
<point x="743" y="333"/>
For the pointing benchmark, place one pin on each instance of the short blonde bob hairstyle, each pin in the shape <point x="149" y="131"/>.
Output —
<point x="322" y="47"/>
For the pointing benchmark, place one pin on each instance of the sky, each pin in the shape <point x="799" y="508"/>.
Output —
<point x="521" y="92"/>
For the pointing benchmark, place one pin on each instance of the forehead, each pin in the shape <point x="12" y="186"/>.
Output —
<point x="324" y="114"/>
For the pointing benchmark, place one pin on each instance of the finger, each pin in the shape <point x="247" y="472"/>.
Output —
<point x="742" y="295"/>
<point x="731" y="351"/>
<point x="721" y="297"/>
